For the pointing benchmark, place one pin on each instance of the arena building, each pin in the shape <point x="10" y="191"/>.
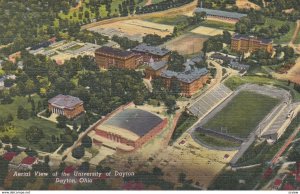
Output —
<point x="66" y="105"/>
<point x="127" y="128"/>
<point x="107" y="57"/>
<point x="223" y="15"/>
<point x="244" y="43"/>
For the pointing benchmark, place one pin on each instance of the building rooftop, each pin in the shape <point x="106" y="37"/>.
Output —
<point x="190" y="74"/>
<point x="8" y="156"/>
<point x="154" y="50"/>
<point x="115" y="52"/>
<point x="65" y="101"/>
<point x="245" y="37"/>
<point x="138" y="121"/>
<point x="29" y="160"/>
<point x="237" y="65"/>
<point x="168" y="74"/>
<point x="228" y="14"/>
<point x="158" y="65"/>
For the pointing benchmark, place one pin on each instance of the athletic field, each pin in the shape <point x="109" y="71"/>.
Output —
<point x="242" y="114"/>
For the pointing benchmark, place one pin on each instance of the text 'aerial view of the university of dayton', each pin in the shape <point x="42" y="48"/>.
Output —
<point x="149" y="95"/>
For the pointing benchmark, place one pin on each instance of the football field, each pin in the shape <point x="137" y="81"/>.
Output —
<point x="242" y="114"/>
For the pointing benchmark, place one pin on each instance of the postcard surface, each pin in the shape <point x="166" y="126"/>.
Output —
<point x="149" y="95"/>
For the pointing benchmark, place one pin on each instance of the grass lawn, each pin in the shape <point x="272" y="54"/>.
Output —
<point x="218" y="25"/>
<point x="243" y="113"/>
<point x="235" y="81"/>
<point x="171" y="20"/>
<point x="215" y="141"/>
<point x="20" y="126"/>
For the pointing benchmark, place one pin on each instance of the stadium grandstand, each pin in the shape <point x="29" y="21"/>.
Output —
<point x="277" y="127"/>
<point x="225" y="15"/>
<point x="209" y="100"/>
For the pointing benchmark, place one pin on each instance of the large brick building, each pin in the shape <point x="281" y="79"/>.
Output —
<point x="243" y="43"/>
<point x="66" y="105"/>
<point x="107" y="57"/>
<point x="127" y="128"/>
<point x="154" y="69"/>
<point x="189" y="81"/>
<point x="152" y="53"/>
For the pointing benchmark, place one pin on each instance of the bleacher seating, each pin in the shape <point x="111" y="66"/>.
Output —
<point x="209" y="100"/>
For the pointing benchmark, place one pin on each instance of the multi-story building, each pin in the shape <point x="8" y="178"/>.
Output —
<point x="190" y="81"/>
<point x="155" y="69"/>
<point x="66" y="105"/>
<point x="243" y="43"/>
<point x="107" y="57"/>
<point x="152" y="53"/>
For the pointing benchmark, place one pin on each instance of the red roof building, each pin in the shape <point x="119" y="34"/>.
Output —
<point x="8" y="156"/>
<point x="28" y="160"/>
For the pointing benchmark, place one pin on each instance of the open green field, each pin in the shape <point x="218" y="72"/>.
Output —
<point x="235" y="81"/>
<point x="20" y="126"/>
<point x="242" y="114"/>
<point x="170" y="20"/>
<point x="218" y="25"/>
<point x="215" y="141"/>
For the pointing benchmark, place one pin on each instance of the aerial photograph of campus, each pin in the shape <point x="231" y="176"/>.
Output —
<point x="150" y="95"/>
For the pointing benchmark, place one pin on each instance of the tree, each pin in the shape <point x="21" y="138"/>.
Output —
<point x="75" y="126"/>
<point x="9" y="83"/>
<point x="84" y="167"/>
<point x="9" y="118"/>
<point x="170" y="103"/>
<point x="29" y="87"/>
<point x="3" y="171"/>
<point x="176" y="62"/>
<point x="85" y="123"/>
<point x="34" y="134"/>
<point x="157" y="171"/>
<point x="22" y="113"/>
<point x="226" y="37"/>
<point x="78" y="152"/>
<point x="62" y="121"/>
<point x="87" y="142"/>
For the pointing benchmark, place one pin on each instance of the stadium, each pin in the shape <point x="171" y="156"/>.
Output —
<point x="127" y="128"/>
<point x="234" y="119"/>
